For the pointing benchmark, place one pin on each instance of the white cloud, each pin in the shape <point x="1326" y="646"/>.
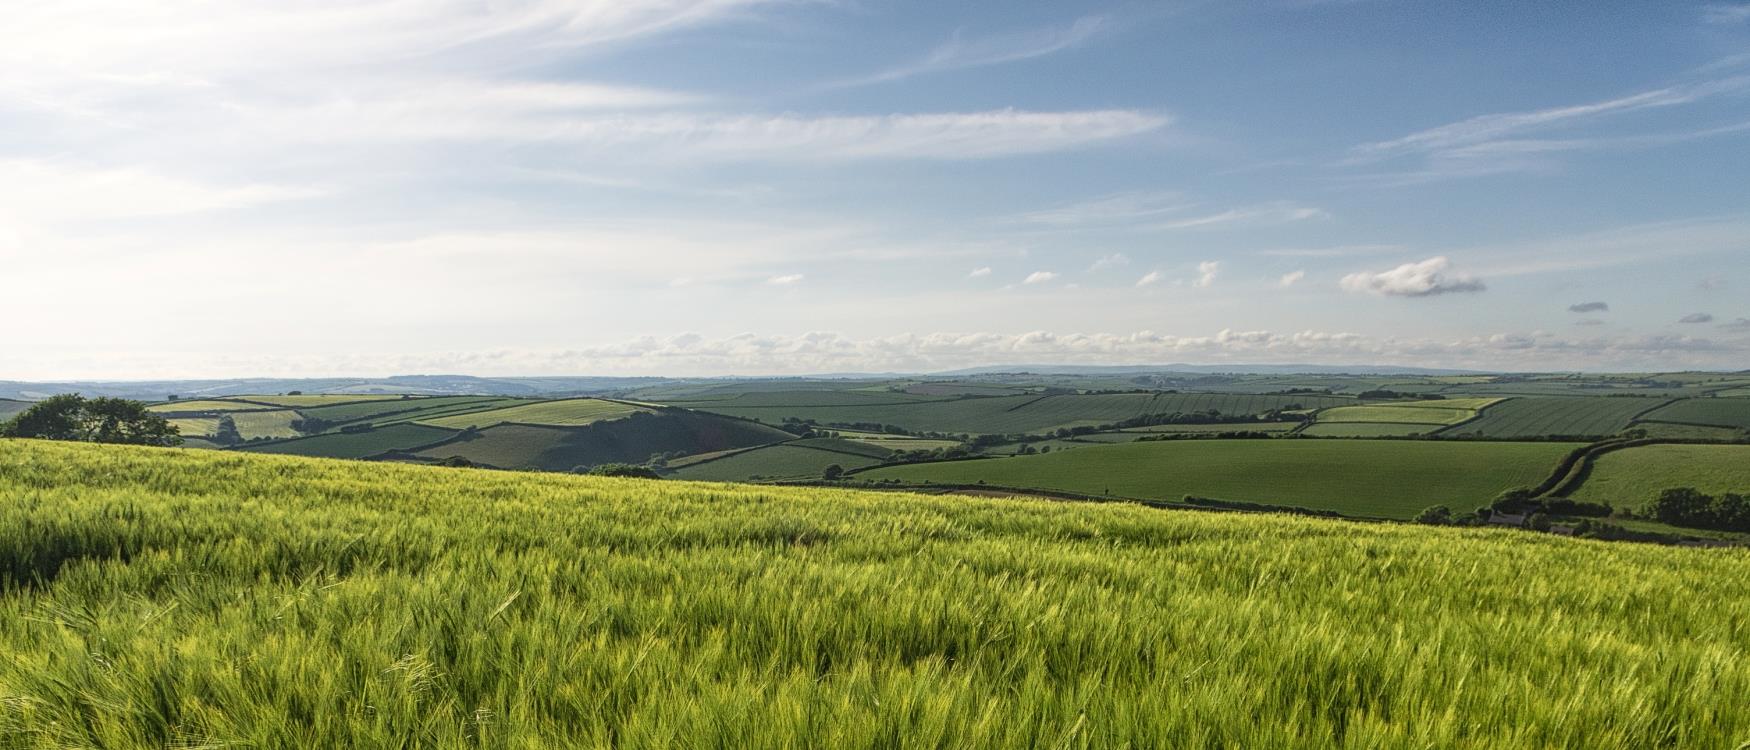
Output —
<point x="1268" y="213"/>
<point x="1114" y="260"/>
<point x="1206" y="273"/>
<point x="963" y="52"/>
<point x="785" y="280"/>
<point x="47" y="193"/>
<point x="1039" y="277"/>
<point x="1424" y="279"/>
<point x="978" y="273"/>
<point x="1152" y="277"/>
<point x="1291" y="278"/>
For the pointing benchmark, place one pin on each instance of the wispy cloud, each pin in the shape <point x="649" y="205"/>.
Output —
<point x="1696" y="318"/>
<point x="1149" y="279"/>
<point x="1427" y="278"/>
<point x="1290" y="279"/>
<point x="1039" y="277"/>
<point x="979" y="273"/>
<point x="786" y="279"/>
<point x="1589" y="307"/>
<point x="1119" y="208"/>
<point x="1267" y="213"/>
<point x="972" y="52"/>
<point x="1114" y="260"/>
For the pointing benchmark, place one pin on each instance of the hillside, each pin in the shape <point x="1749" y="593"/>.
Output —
<point x="157" y="597"/>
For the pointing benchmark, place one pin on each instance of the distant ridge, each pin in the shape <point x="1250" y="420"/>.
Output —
<point x="1265" y="369"/>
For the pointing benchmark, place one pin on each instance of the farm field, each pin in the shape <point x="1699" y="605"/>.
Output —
<point x="1634" y="476"/>
<point x="1369" y="429"/>
<point x="357" y="445"/>
<point x="1525" y="417"/>
<point x="564" y="413"/>
<point x="409" y="408"/>
<point x="208" y="405"/>
<point x="8" y="407"/>
<point x="320" y="399"/>
<point x="1726" y="412"/>
<point x="633" y="439"/>
<point x="788" y="461"/>
<point x="667" y="614"/>
<point x="1388" y="479"/>
<point x="1396" y="414"/>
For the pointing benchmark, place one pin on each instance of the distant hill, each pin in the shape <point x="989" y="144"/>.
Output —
<point x="1288" y="369"/>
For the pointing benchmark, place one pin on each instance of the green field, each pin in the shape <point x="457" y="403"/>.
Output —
<point x="320" y="399"/>
<point x="207" y="405"/>
<point x="358" y="445"/>
<point x="1386" y="479"/>
<point x="565" y="413"/>
<point x="8" y="408"/>
<point x="1369" y="429"/>
<point x="1722" y="412"/>
<point x="630" y="440"/>
<point x="1537" y="416"/>
<point x="773" y="462"/>
<point x="1395" y="415"/>
<point x="410" y="408"/>
<point x="1634" y="476"/>
<point x="162" y="598"/>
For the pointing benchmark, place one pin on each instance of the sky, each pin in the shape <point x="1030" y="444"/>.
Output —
<point x="229" y="188"/>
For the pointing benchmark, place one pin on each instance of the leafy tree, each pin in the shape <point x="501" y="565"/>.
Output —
<point x="832" y="472"/>
<point x="98" y="420"/>
<point x="624" y="470"/>
<point x="226" y="433"/>
<point x="1438" y="515"/>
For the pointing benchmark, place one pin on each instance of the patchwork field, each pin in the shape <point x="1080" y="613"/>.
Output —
<point x="8" y="408"/>
<point x="1634" y="476"/>
<point x="566" y="413"/>
<point x="1369" y="429"/>
<point x="163" y="598"/>
<point x="208" y="405"/>
<point x="319" y="399"/>
<point x="1389" y="479"/>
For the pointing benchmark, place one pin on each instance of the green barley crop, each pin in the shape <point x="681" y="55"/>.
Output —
<point x="171" y="598"/>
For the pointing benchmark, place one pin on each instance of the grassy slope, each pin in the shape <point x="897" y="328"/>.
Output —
<point x="1634" y="476"/>
<point x="158" y="597"/>
<point x="1395" y="479"/>
<point x="361" y="444"/>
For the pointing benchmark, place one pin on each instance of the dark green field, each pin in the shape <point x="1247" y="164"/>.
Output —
<point x="630" y="440"/>
<point x="399" y="437"/>
<point x="1378" y="479"/>
<point x="1720" y="412"/>
<point x="1536" y="416"/>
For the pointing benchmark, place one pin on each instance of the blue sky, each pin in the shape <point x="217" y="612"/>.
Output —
<point x="692" y="187"/>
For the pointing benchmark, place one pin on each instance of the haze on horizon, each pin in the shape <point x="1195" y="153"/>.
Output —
<point x="722" y="187"/>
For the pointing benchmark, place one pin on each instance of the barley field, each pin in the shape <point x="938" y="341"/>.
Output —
<point x="179" y="598"/>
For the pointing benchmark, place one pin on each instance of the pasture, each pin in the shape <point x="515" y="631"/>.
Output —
<point x="1634" y="476"/>
<point x="1369" y="429"/>
<point x="321" y="399"/>
<point x="563" y="413"/>
<point x="166" y="598"/>
<point x="208" y="406"/>
<point x="1385" y="479"/>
